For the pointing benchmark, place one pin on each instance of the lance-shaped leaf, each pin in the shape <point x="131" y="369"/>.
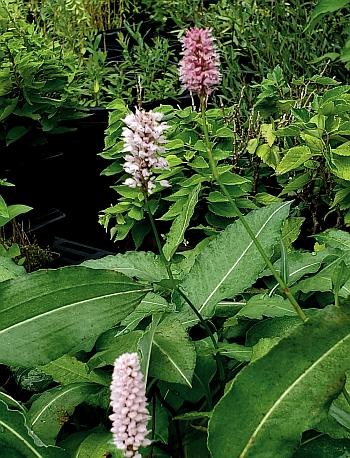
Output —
<point x="50" y="313"/>
<point x="288" y="391"/>
<point x="180" y="224"/>
<point x="17" y="440"/>
<point x="231" y="263"/>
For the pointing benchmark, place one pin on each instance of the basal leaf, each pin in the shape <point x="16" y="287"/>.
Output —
<point x="230" y="263"/>
<point x="277" y="397"/>
<point x="50" y="313"/>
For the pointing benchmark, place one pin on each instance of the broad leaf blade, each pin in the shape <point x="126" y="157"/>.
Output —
<point x="296" y="380"/>
<point x="230" y="263"/>
<point x="50" y="313"/>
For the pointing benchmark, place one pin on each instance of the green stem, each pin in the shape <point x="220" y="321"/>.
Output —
<point x="175" y="287"/>
<point x="241" y="217"/>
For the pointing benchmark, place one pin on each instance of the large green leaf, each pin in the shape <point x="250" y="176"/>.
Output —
<point x="52" y="409"/>
<point x="173" y="353"/>
<point x="230" y="263"/>
<point x="18" y="441"/>
<point x="277" y="397"/>
<point x="50" y="313"/>
<point x="180" y="224"/>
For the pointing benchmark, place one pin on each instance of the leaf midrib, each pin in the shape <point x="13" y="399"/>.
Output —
<point x="59" y="309"/>
<point x="161" y="349"/>
<point x="66" y="289"/>
<point x="40" y="413"/>
<point x="242" y="255"/>
<point x="286" y="392"/>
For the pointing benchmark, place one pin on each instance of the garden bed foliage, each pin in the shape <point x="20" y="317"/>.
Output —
<point x="225" y="304"/>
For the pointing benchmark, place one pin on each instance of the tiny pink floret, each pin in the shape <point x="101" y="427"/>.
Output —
<point x="199" y="67"/>
<point x="129" y="404"/>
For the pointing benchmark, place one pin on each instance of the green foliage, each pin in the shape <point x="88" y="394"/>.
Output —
<point x="310" y="374"/>
<point x="231" y="263"/>
<point x="17" y="439"/>
<point x="48" y="306"/>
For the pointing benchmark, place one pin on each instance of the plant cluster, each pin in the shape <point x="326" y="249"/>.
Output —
<point x="228" y="334"/>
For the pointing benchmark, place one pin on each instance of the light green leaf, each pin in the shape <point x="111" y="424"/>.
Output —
<point x="52" y="409"/>
<point x="269" y="155"/>
<point x="173" y="353"/>
<point x="68" y="369"/>
<point x="343" y="150"/>
<point x="293" y="158"/>
<point x="50" y="313"/>
<point x="230" y="263"/>
<point x="14" y="211"/>
<point x="235" y="351"/>
<point x="309" y="365"/>
<point x="268" y="133"/>
<point x="18" y="441"/>
<point x="180" y="224"/>
<point x="143" y="265"/>
<point x="9" y="269"/>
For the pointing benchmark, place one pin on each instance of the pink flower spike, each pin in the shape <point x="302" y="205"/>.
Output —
<point x="199" y="67"/>
<point x="129" y="405"/>
<point x="144" y="141"/>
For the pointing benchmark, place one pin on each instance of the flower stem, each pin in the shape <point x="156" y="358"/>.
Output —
<point x="241" y="217"/>
<point x="175" y="287"/>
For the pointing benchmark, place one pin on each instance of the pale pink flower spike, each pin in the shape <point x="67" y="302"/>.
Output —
<point x="129" y="404"/>
<point x="144" y="143"/>
<point x="199" y="67"/>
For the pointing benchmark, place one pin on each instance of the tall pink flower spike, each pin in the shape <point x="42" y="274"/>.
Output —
<point x="199" y="67"/>
<point x="129" y="405"/>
